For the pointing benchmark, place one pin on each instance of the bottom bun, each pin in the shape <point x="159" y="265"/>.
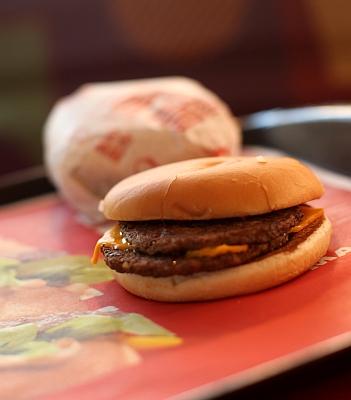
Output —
<point x="248" y="278"/>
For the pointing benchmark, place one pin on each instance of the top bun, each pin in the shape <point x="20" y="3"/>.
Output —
<point x="209" y="188"/>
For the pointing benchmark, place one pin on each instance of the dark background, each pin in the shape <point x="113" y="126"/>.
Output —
<point x="255" y="54"/>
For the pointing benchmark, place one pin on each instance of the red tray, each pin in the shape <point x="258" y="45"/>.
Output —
<point x="217" y="346"/>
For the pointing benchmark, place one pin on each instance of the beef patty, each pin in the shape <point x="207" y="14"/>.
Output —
<point x="172" y="260"/>
<point x="174" y="237"/>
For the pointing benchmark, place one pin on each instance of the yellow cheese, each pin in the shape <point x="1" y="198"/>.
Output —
<point x="147" y="342"/>
<point x="111" y="238"/>
<point x="217" y="250"/>
<point x="310" y="215"/>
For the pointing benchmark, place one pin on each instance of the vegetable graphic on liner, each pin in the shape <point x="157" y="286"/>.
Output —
<point x="47" y="341"/>
<point x="64" y="270"/>
<point x="42" y="339"/>
<point x="73" y="273"/>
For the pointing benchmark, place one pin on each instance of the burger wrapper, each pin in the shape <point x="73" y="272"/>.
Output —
<point x="104" y="132"/>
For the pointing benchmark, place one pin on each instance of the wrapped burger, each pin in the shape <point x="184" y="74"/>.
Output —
<point x="104" y="132"/>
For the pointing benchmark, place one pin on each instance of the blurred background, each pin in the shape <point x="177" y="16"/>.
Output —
<point x="255" y="54"/>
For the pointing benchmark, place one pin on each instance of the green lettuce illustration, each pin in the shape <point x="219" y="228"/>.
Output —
<point x="16" y="336"/>
<point x="32" y="350"/>
<point x="8" y="262"/>
<point x="8" y="272"/>
<point x="83" y="327"/>
<point x="87" y="326"/>
<point x="61" y="271"/>
<point x="8" y="278"/>
<point x="92" y="274"/>
<point x="136" y="324"/>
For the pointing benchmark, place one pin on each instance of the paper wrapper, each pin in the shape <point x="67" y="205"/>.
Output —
<point x="105" y="132"/>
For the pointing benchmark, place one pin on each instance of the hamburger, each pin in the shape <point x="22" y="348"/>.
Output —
<point x="213" y="227"/>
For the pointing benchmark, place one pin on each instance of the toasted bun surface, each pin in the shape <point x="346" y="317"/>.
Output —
<point x="208" y="188"/>
<point x="248" y="278"/>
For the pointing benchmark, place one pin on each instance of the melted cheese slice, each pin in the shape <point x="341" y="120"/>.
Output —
<point x="217" y="250"/>
<point x="310" y="215"/>
<point x="111" y="238"/>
